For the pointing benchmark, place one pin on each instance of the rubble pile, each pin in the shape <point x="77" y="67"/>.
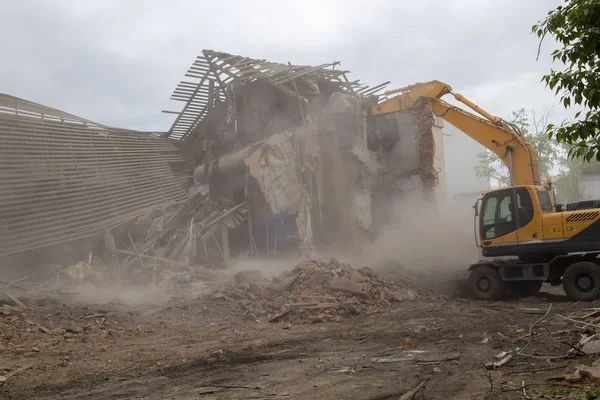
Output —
<point x="249" y="289"/>
<point x="315" y="290"/>
<point x="331" y="288"/>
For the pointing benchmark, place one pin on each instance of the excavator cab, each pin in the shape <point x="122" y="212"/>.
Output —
<point x="510" y="220"/>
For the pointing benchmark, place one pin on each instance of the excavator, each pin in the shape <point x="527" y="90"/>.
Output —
<point x="526" y="239"/>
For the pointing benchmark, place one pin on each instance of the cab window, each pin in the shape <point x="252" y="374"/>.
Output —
<point x="498" y="217"/>
<point x="524" y="206"/>
<point x="544" y="199"/>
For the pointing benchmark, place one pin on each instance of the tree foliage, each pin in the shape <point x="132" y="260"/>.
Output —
<point x="576" y="27"/>
<point x="553" y="159"/>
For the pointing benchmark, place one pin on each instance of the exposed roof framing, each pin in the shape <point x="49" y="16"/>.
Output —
<point x="212" y="71"/>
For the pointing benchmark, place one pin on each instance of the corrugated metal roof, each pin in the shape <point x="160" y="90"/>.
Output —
<point x="212" y="71"/>
<point x="64" y="178"/>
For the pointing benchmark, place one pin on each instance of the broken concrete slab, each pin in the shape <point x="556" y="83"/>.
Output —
<point x="285" y="284"/>
<point x="358" y="277"/>
<point x="252" y="275"/>
<point x="317" y="279"/>
<point x="347" y="285"/>
<point x="402" y="295"/>
<point x="592" y="347"/>
<point x="574" y="377"/>
<point x="590" y="373"/>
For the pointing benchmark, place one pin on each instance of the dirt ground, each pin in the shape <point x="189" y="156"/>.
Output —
<point x="207" y="349"/>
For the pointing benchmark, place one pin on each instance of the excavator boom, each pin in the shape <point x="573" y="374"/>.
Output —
<point x="494" y="134"/>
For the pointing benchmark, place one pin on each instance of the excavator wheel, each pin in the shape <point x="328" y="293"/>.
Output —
<point x="581" y="281"/>
<point x="485" y="283"/>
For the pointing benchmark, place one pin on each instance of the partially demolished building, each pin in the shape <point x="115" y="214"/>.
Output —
<point x="264" y="158"/>
<point x="291" y="141"/>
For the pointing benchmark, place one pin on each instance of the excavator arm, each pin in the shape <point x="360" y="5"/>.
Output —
<point x="492" y="132"/>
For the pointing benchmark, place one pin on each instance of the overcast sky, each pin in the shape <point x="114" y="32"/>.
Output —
<point x="117" y="62"/>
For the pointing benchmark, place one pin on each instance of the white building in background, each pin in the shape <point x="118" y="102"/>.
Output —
<point x="589" y="182"/>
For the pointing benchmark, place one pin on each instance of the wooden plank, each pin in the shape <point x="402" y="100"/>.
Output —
<point x="14" y="299"/>
<point x="109" y="243"/>
<point x="225" y="241"/>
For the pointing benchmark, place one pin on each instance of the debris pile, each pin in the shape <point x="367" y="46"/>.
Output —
<point x="173" y="235"/>
<point x="167" y="246"/>
<point x="331" y="289"/>
<point x="315" y="291"/>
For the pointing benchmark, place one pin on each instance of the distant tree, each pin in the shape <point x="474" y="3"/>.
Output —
<point x="576" y="27"/>
<point x="553" y="159"/>
<point x="489" y="165"/>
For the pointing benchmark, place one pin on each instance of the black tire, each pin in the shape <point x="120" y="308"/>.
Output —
<point x="581" y="281"/>
<point x="485" y="283"/>
<point x="525" y="288"/>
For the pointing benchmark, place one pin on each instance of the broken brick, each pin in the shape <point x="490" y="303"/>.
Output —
<point x="590" y="373"/>
<point x="591" y="347"/>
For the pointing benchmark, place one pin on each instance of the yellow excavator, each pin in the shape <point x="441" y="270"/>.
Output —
<point x="522" y="221"/>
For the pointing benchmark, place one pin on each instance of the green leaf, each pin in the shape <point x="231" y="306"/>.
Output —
<point x="589" y="156"/>
<point x="576" y="33"/>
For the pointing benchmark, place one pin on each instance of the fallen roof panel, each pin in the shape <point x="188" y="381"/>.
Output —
<point x="63" y="181"/>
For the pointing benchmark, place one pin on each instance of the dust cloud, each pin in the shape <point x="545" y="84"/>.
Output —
<point x="433" y="243"/>
<point x="422" y="237"/>
<point x="123" y="294"/>
<point x="267" y="267"/>
<point x="430" y="243"/>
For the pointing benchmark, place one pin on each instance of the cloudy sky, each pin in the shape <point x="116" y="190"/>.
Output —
<point x="117" y="62"/>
